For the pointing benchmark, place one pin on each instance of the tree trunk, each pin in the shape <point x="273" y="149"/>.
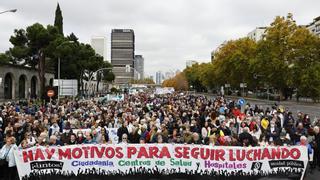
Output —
<point x="41" y="72"/>
<point x="98" y="81"/>
<point x="81" y="84"/>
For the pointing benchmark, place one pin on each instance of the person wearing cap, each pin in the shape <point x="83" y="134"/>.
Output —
<point x="284" y="139"/>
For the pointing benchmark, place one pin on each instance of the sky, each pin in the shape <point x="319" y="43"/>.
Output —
<point x="167" y="32"/>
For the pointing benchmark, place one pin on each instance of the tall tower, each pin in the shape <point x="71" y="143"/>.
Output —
<point x="139" y="66"/>
<point x="122" y="55"/>
<point x="98" y="43"/>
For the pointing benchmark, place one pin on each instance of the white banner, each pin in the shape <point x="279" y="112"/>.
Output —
<point x="163" y="158"/>
<point x="165" y="90"/>
<point x="112" y="132"/>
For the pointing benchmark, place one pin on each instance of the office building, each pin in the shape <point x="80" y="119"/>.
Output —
<point x="257" y="34"/>
<point x="98" y="43"/>
<point x="159" y="77"/>
<point x="314" y="27"/>
<point x="139" y="67"/>
<point x="122" y="55"/>
<point x="169" y="74"/>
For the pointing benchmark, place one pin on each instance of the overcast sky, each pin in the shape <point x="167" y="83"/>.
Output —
<point x="168" y="32"/>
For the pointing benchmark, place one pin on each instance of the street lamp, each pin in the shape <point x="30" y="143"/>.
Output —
<point x="128" y="69"/>
<point x="11" y="10"/>
<point x="91" y="77"/>
<point x="59" y="64"/>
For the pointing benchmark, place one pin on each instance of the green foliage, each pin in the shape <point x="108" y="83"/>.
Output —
<point x="275" y="53"/>
<point x="178" y="82"/>
<point x="114" y="90"/>
<point x="194" y="76"/>
<point x="4" y="58"/>
<point x="288" y="57"/>
<point x="41" y="47"/>
<point x="30" y="47"/>
<point x="310" y="82"/>
<point x="143" y="81"/>
<point x="232" y="63"/>
<point x="108" y="75"/>
<point x="58" y="21"/>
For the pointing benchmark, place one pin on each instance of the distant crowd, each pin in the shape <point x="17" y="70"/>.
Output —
<point x="151" y="118"/>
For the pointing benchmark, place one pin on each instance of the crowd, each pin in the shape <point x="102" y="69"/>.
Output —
<point x="150" y="118"/>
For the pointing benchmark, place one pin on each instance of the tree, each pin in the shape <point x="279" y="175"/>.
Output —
<point x="4" y="59"/>
<point x="20" y="50"/>
<point x="287" y="58"/>
<point x="273" y="56"/>
<point x="58" y="21"/>
<point x="304" y="62"/>
<point x="193" y="76"/>
<point x="30" y="47"/>
<point x="105" y="75"/>
<point x="310" y="82"/>
<point x="143" y="81"/>
<point x="233" y="60"/>
<point x="179" y="82"/>
<point x="207" y="77"/>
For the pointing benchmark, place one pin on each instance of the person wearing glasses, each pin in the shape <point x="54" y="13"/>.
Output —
<point x="124" y="139"/>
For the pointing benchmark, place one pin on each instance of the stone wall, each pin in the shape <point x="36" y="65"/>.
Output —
<point x="19" y="76"/>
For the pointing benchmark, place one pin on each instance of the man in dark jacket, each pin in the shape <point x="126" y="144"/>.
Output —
<point x="122" y="130"/>
<point x="273" y="132"/>
<point x="245" y="137"/>
<point x="226" y="131"/>
<point x="316" y="147"/>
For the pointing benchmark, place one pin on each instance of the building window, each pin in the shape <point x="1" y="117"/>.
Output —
<point x="317" y="28"/>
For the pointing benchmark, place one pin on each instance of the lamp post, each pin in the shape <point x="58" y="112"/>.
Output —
<point x="11" y="10"/>
<point x="128" y="69"/>
<point x="59" y="63"/>
<point x="91" y="77"/>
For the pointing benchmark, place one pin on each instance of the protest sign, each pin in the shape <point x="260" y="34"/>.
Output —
<point x="161" y="159"/>
<point x="112" y="133"/>
<point x="165" y="90"/>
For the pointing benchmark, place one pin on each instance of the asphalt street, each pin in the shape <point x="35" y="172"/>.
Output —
<point x="312" y="109"/>
<point x="307" y="108"/>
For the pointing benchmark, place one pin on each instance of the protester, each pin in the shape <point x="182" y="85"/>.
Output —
<point x="9" y="170"/>
<point x="316" y="147"/>
<point x="149" y="118"/>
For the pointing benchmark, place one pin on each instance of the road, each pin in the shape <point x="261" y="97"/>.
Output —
<point x="308" y="108"/>
<point x="312" y="109"/>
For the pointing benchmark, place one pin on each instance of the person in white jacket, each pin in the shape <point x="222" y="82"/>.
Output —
<point x="6" y="153"/>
